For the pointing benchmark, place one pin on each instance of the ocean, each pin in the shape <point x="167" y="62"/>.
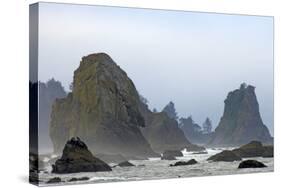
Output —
<point x="155" y="168"/>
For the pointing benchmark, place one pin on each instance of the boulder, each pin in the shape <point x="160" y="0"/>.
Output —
<point x="251" y="164"/>
<point x="77" y="158"/>
<point x="182" y="163"/>
<point x="226" y="156"/>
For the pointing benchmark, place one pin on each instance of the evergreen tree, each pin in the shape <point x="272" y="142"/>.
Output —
<point x="207" y="126"/>
<point x="170" y="110"/>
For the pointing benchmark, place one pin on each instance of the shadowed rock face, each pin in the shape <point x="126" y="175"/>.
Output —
<point x="241" y="121"/>
<point x="77" y="158"/>
<point x="162" y="132"/>
<point x="102" y="109"/>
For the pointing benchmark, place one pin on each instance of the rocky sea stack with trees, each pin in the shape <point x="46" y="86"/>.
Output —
<point x="105" y="125"/>
<point x="241" y="121"/>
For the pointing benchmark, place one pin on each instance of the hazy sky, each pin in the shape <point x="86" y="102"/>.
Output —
<point x="193" y="59"/>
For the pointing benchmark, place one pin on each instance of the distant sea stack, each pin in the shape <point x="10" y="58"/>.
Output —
<point x="241" y="121"/>
<point x="161" y="131"/>
<point x="48" y="93"/>
<point x="102" y="109"/>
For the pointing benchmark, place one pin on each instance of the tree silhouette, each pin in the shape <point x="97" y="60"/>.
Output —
<point x="207" y="126"/>
<point x="170" y="110"/>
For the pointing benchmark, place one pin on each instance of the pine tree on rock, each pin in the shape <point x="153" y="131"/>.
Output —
<point x="207" y="126"/>
<point x="170" y="110"/>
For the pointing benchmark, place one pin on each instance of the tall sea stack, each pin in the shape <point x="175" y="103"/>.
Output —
<point x="102" y="109"/>
<point x="241" y="121"/>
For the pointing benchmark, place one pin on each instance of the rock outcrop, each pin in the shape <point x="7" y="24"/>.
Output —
<point x="183" y="163"/>
<point x="102" y="109"/>
<point x="77" y="158"/>
<point x="226" y="156"/>
<point x="48" y="93"/>
<point x="251" y="164"/>
<point x="241" y="121"/>
<point x="254" y="149"/>
<point x="161" y="131"/>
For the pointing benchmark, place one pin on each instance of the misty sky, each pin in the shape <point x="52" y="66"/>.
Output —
<point x="193" y="59"/>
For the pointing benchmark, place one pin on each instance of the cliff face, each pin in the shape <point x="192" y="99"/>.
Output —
<point x="48" y="93"/>
<point x="162" y="132"/>
<point x="102" y="110"/>
<point x="241" y="121"/>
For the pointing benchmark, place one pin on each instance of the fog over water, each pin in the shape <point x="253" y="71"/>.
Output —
<point x="193" y="59"/>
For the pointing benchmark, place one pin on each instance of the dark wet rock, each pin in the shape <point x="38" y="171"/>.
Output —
<point x="77" y="158"/>
<point x="125" y="164"/>
<point x="182" y="163"/>
<point x="251" y="164"/>
<point x="79" y="179"/>
<point x="241" y="121"/>
<point x="254" y="149"/>
<point x="54" y="180"/>
<point x="226" y="156"/>
<point x="102" y="109"/>
<point x="193" y="147"/>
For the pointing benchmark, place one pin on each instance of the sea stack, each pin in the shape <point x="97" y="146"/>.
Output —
<point x="161" y="131"/>
<point x="102" y="109"/>
<point x="241" y="121"/>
